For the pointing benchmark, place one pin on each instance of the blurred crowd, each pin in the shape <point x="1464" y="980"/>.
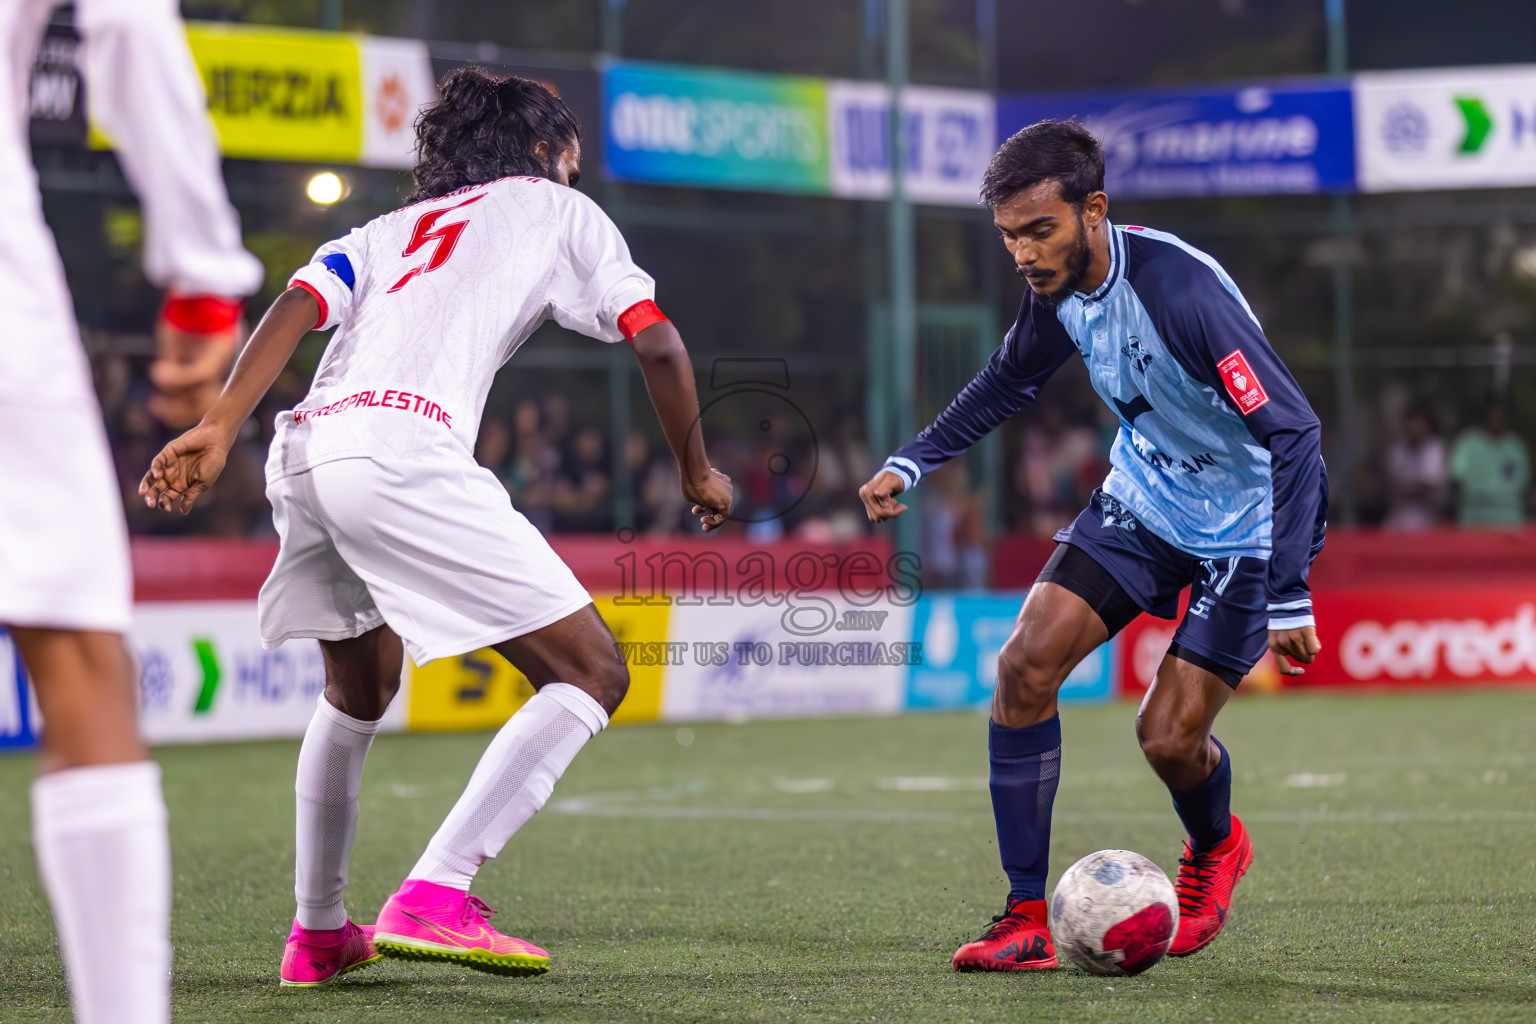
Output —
<point x="561" y="471"/>
<point x="1478" y="478"/>
<point x="561" y="474"/>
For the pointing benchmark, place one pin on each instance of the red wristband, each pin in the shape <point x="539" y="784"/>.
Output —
<point x="201" y="314"/>
<point x="638" y="317"/>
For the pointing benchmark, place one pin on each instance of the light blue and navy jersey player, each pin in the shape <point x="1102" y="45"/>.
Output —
<point x="1217" y="478"/>
<point x="1217" y="484"/>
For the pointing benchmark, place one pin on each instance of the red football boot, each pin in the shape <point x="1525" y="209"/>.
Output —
<point x="1205" y="885"/>
<point x="1019" y="940"/>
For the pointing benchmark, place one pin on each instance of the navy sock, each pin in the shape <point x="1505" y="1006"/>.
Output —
<point x="1026" y="764"/>
<point x="1206" y="810"/>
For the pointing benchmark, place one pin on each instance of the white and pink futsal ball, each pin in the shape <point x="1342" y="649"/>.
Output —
<point x="1114" y="912"/>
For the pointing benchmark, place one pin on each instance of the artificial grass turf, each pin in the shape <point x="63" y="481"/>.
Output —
<point x="826" y="870"/>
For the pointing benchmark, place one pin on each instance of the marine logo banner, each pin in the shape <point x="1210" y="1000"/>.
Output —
<point x="1255" y="140"/>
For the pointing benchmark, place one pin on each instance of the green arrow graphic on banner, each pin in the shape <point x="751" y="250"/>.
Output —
<point x="209" y="661"/>
<point x="1479" y="123"/>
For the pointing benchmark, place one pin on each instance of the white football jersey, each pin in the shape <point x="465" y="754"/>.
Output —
<point x="428" y="303"/>
<point x="144" y="91"/>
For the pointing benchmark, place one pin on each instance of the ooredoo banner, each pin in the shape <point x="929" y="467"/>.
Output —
<point x="1445" y="636"/>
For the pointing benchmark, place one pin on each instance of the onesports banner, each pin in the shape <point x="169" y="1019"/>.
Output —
<point x="675" y="125"/>
<point x="727" y="129"/>
<point x="1450" y="128"/>
<point x="288" y="94"/>
<point x="1255" y="140"/>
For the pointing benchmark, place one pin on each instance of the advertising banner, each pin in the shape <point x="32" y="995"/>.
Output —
<point x="1390" y="637"/>
<point x="288" y="94"/>
<point x="961" y="637"/>
<point x="1257" y="140"/>
<point x="203" y="675"/>
<point x="805" y="654"/>
<point x="1454" y="128"/>
<point x="950" y="133"/>
<point x="281" y="94"/>
<point x="397" y="82"/>
<point x="56" y="92"/>
<point x="728" y="129"/>
<point x="18" y="713"/>
<point x="482" y="690"/>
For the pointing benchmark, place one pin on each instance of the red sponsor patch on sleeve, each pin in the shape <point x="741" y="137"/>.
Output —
<point x="1242" y="383"/>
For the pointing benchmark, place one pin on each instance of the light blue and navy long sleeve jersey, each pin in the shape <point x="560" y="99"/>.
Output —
<point x="1218" y="451"/>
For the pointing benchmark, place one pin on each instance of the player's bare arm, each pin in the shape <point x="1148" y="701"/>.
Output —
<point x="189" y="465"/>
<point x="879" y="496"/>
<point x="669" y="378"/>
<point x="1294" y="645"/>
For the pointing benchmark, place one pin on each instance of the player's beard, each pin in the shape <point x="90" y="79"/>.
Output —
<point x="1072" y="272"/>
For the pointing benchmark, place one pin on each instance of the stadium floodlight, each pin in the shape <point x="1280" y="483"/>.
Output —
<point x="325" y="188"/>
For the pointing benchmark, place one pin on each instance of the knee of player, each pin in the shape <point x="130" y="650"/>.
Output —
<point x="608" y="683"/>
<point x="1168" y="739"/>
<point x="389" y="686"/>
<point x="1022" y="673"/>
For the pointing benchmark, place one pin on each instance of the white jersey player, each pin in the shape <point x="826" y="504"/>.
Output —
<point x="98" y="815"/>
<point x="391" y="532"/>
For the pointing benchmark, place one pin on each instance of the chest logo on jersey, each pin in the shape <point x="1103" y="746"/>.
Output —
<point x="1137" y="354"/>
<point x="1242" y="383"/>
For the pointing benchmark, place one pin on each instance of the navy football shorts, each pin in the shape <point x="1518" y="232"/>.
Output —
<point x="1112" y="561"/>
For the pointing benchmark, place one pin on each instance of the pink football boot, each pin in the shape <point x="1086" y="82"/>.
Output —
<point x="314" y="957"/>
<point x="427" y="921"/>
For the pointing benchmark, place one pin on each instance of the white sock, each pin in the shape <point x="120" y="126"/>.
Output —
<point x="516" y="774"/>
<point x="105" y="860"/>
<point x="329" y="778"/>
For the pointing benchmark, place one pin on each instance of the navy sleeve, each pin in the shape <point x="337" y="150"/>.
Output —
<point x="1211" y="332"/>
<point x="1031" y="351"/>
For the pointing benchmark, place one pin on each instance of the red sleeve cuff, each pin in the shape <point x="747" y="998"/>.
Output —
<point x="638" y="317"/>
<point x="325" y="311"/>
<point x="201" y="314"/>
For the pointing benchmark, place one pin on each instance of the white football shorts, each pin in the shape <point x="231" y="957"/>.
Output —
<point x="63" y="540"/>
<point x="435" y="550"/>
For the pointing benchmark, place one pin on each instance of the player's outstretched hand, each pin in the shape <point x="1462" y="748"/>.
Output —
<point x="184" y="469"/>
<point x="1293" y="645"/>
<point x="879" y="496"/>
<point x="712" y="499"/>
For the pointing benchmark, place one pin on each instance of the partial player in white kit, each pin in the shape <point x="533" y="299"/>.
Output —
<point x="65" y="592"/>
<point x="390" y="530"/>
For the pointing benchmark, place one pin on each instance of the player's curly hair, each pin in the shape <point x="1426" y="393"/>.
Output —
<point x="1060" y="151"/>
<point x="485" y="127"/>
